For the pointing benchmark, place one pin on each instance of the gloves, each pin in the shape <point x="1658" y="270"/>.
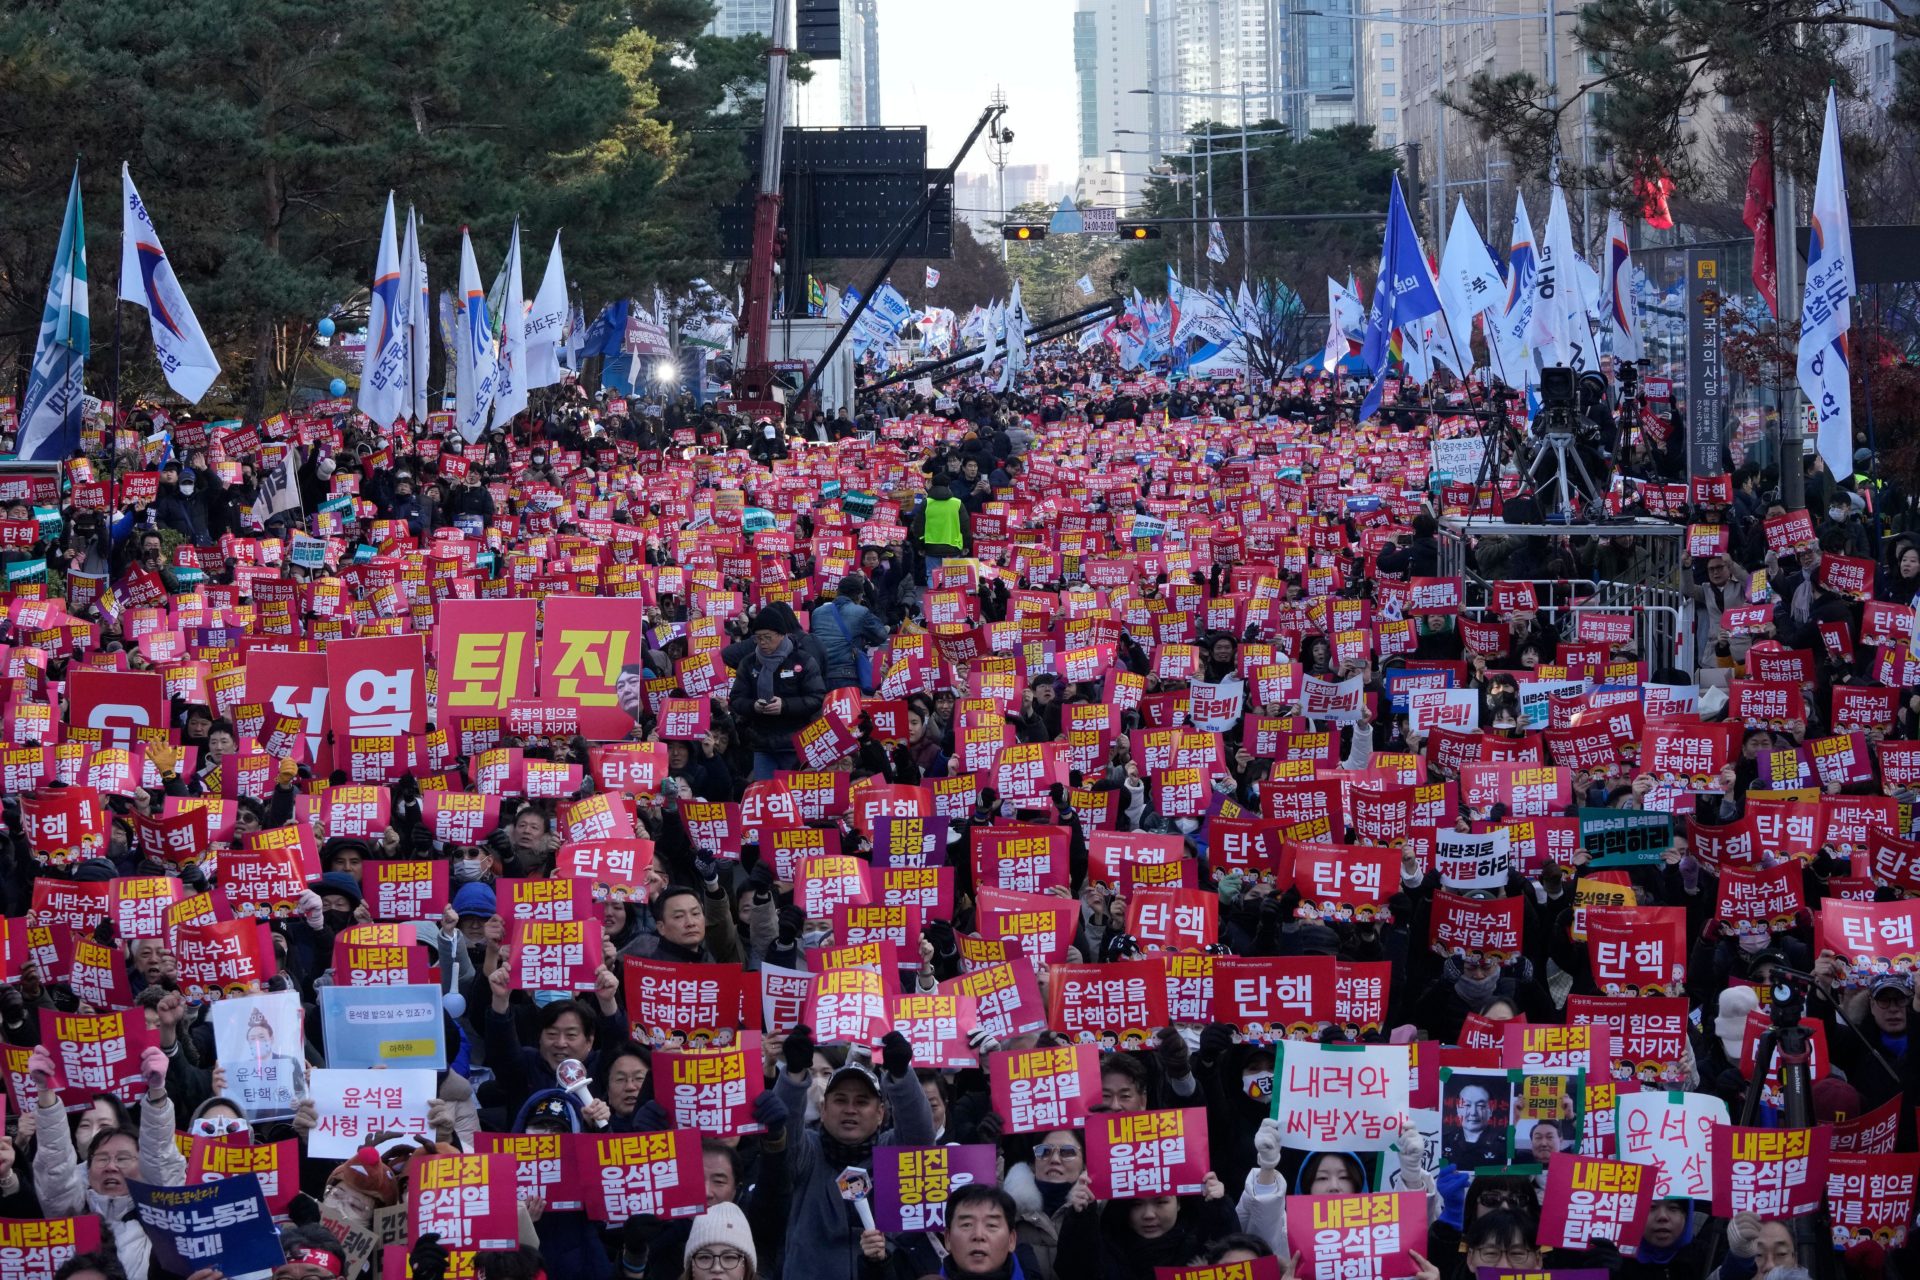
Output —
<point x="989" y="1127"/>
<point x="308" y="905"/>
<point x="760" y="878"/>
<point x="1215" y="1040"/>
<point x="193" y="876"/>
<point x="792" y="920"/>
<point x="428" y="1261"/>
<point x="940" y="934"/>
<point x="1266" y="1145"/>
<point x="896" y="1054"/>
<point x="420" y="840"/>
<point x="1175" y="1062"/>
<point x="1413" y="1155"/>
<point x="289" y="770"/>
<point x="770" y="1112"/>
<point x="705" y="866"/>
<point x="165" y="758"/>
<point x="798" y="1049"/>
<point x="1743" y="1234"/>
<point x="303" y="1210"/>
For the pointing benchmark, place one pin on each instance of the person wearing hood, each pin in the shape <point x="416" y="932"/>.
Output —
<point x="1679" y="1242"/>
<point x="114" y="1157"/>
<point x="846" y="630"/>
<point x="567" y="1239"/>
<point x="777" y="692"/>
<point x="823" y="1229"/>
<point x="1040" y="1186"/>
<point x="1262" y="1210"/>
<point x="1128" y="1239"/>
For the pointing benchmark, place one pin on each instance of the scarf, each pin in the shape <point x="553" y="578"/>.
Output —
<point x="770" y="667"/>
<point x="1053" y="1195"/>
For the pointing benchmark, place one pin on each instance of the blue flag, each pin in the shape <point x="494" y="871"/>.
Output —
<point x="50" y="416"/>
<point x="1405" y="293"/>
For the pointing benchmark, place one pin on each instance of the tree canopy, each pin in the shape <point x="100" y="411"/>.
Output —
<point x="1330" y="171"/>
<point x="265" y="134"/>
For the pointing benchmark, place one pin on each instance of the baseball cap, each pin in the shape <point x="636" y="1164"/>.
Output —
<point x="855" y="1070"/>
<point x="1891" y="982"/>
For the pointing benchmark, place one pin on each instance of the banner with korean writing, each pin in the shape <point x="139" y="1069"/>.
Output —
<point x="1461" y="927"/>
<point x="225" y="1223"/>
<point x="1357" y="1237"/>
<point x="1872" y="937"/>
<point x="376" y="687"/>
<point x="405" y="889"/>
<point x="1006" y="997"/>
<point x="469" y="1201"/>
<point x="1341" y="1098"/>
<point x="1625" y="837"/>
<point x="1649" y="1034"/>
<point x="671" y="1003"/>
<point x="35" y="1248"/>
<point x="712" y="1090"/>
<point x="589" y="658"/>
<point x="387" y="1027"/>
<point x="545" y="1165"/>
<point x="911" y="1185"/>
<point x="1672" y="1132"/>
<point x="554" y="955"/>
<point x="276" y="1164"/>
<point x="1118" y="1006"/>
<point x="660" y="1174"/>
<point x="351" y="1106"/>
<point x="1147" y="1153"/>
<point x="97" y="1053"/>
<point x="1589" y="1199"/>
<point x="1870" y="1198"/>
<point x="484" y="651"/>
<point x="1035" y="1090"/>
<point x="1268" y="998"/>
<point x="1774" y="1173"/>
<point x="937" y="1026"/>
<point x="847" y="1006"/>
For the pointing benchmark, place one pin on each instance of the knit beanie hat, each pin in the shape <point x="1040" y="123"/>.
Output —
<point x="1731" y="1022"/>
<point x="723" y="1226"/>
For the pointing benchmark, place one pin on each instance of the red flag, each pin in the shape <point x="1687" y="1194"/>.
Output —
<point x="1758" y="215"/>
<point x="1653" y="192"/>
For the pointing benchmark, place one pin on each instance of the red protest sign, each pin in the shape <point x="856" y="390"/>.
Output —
<point x="555" y="955"/>
<point x="673" y="1004"/>
<point x="404" y="889"/>
<point x="1357" y="1237"/>
<point x="1036" y="1090"/>
<point x="378" y="955"/>
<point x="713" y="1090"/>
<point x="1274" y="997"/>
<point x="1174" y="919"/>
<point x="377" y="686"/>
<point x="545" y="1165"/>
<point x="470" y="1201"/>
<point x="1464" y="926"/>
<point x="1147" y="1153"/>
<point x="847" y="1006"/>
<point x="276" y="1164"/>
<point x="1589" y="1199"/>
<point x="1118" y="1006"/>
<point x="1870" y="1198"/>
<point x="937" y="1026"/>
<point x="657" y="1174"/>
<point x="96" y="1053"/>
<point x="1774" y="1173"/>
<point x="1006" y="996"/>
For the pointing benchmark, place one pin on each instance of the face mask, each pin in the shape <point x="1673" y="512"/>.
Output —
<point x="1753" y="943"/>
<point x="186" y="486"/>
<point x="544" y="998"/>
<point x="767" y="432"/>
<point x="1837" y="514"/>
<point x="815" y="938"/>
<point x="466" y="870"/>
<point x="337" y="921"/>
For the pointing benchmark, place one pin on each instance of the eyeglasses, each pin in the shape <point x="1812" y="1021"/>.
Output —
<point x="1493" y="1199"/>
<point x="719" y="1260"/>
<point x="1065" y="1151"/>
<point x="1513" y="1255"/>
<point x="1891" y="996"/>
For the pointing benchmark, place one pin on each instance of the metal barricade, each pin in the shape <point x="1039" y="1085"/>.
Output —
<point x="1662" y="608"/>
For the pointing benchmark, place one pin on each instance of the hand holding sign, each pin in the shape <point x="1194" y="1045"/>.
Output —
<point x="855" y="1185"/>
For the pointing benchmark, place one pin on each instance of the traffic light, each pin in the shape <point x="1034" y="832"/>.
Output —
<point x="1023" y="231"/>
<point x="1139" y="231"/>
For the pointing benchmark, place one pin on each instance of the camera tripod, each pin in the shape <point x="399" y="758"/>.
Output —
<point x="1812" y="1232"/>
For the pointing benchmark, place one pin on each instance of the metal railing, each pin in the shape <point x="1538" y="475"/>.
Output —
<point x="1661" y="607"/>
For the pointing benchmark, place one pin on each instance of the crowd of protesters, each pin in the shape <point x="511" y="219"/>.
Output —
<point x="948" y="555"/>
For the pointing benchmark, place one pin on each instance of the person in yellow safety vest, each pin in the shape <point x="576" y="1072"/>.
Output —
<point x="941" y="528"/>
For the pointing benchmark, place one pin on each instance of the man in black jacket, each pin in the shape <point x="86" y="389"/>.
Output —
<point x="778" y="690"/>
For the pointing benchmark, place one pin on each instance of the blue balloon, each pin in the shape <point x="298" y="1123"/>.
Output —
<point x="325" y="327"/>
<point x="337" y="387"/>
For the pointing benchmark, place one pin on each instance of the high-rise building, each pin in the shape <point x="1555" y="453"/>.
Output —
<point x="1319" y="81"/>
<point x="1111" y="59"/>
<point x="843" y="91"/>
<point x="1378" y="97"/>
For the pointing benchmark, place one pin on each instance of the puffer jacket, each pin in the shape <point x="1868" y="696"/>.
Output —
<point x="62" y="1180"/>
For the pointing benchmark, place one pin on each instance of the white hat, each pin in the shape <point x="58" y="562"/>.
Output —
<point x="722" y="1225"/>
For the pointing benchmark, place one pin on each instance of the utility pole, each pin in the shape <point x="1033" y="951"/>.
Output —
<point x="1246" y="256"/>
<point x="997" y="154"/>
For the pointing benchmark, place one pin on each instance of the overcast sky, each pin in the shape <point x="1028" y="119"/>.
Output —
<point x="940" y="61"/>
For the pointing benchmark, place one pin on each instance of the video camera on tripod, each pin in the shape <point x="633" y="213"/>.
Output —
<point x="1564" y="434"/>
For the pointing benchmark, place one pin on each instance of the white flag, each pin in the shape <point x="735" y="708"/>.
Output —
<point x="1513" y="351"/>
<point x="933" y="277"/>
<point x="1826" y="309"/>
<point x="547" y="323"/>
<point x="510" y="391"/>
<point x="1469" y="279"/>
<point x="1216" y="243"/>
<point x="147" y="280"/>
<point x="1622" y="319"/>
<point x="475" y="359"/>
<point x="1086" y="285"/>
<point x="419" y="316"/>
<point x="279" y="488"/>
<point x="1339" y="301"/>
<point x="385" y="393"/>
<point x="1016" y="340"/>
<point x="1562" y="333"/>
